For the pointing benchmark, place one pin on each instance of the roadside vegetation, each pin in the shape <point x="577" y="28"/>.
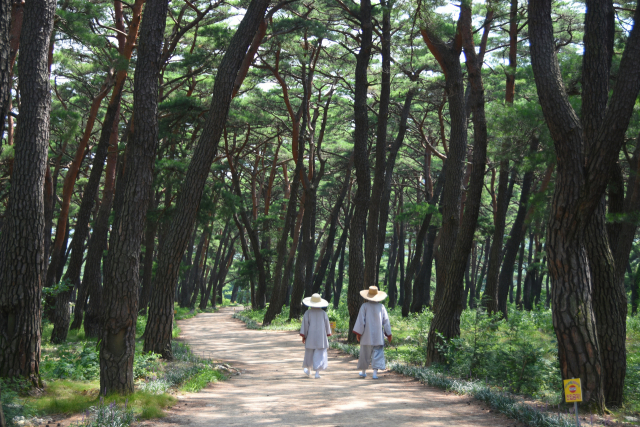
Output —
<point x="501" y="362"/>
<point x="71" y="378"/>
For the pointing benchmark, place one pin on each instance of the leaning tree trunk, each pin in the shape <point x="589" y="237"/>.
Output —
<point x="305" y="255"/>
<point x="490" y="297"/>
<point x="279" y="292"/>
<point x="413" y="265"/>
<point x="92" y="279"/>
<point x="149" y="245"/>
<point x="120" y="293"/>
<point x="586" y="158"/>
<point x="446" y="321"/>
<point x="22" y="238"/>
<point x="160" y="323"/>
<point x="361" y="163"/>
<point x="449" y="60"/>
<point x="371" y="243"/>
<point x="516" y="236"/>
<point x="107" y="139"/>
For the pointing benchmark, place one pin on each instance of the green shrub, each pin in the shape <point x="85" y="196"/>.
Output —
<point x="202" y="379"/>
<point x="111" y="415"/>
<point x="13" y="406"/>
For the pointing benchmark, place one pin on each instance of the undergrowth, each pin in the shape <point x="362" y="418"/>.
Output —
<point x="71" y="373"/>
<point x="500" y="401"/>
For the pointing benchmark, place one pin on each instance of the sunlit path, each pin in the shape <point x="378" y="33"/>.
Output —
<point x="272" y="389"/>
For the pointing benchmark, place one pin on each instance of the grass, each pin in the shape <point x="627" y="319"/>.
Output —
<point x="72" y="397"/>
<point x="71" y="374"/>
<point x="502" y="402"/>
<point x="253" y="319"/>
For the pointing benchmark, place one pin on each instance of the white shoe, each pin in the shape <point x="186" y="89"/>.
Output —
<point x="317" y="375"/>
<point x="362" y="374"/>
<point x="306" y="371"/>
<point x="375" y="374"/>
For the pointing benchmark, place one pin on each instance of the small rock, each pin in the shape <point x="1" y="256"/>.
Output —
<point x="632" y="419"/>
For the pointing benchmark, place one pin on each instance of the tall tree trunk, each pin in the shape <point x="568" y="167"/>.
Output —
<point x="120" y="293"/>
<point x="63" y="217"/>
<point x="377" y="190"/>
<point x="490" y="297"/>
<point x="22" y="238"/>
<point x="516" y="235"/>
<point x="280" y="284"/>
<point x="586" y="157"/>
<point x="446" y="320"/>
<point x="149" y="246"/>
<point x="160" y="323"/>
<point x="5" y="62"/>
<point x="519" y="282"/>
<point x="413" y="264"/>
<point x="189" y="282"/>
<point x="449" y="59"/>
<point x="340" y="280"/>
<point x="92" y="278"/>
<point x="333" y="220"/>
<point x="388" y="175"/>
<point x="361" y="163"/>
<point x="106" y="149"/>
<point x="394" y="260"/>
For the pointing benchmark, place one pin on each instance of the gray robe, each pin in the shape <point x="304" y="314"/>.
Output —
<point x="372" y="318"/>
<point x="315" y="327"/>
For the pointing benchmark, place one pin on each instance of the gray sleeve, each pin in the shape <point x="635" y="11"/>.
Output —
<point x="360" y="321"/>
<point x="327" y="326"/>
<point x="385" y="322"/>
<point x="304" y="327"/>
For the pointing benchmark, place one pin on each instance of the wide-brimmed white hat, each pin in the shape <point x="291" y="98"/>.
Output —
<point x="315" y="301"/>
<point x="373" y="294"/>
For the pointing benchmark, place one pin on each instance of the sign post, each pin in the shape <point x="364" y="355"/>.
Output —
<point x="573" y="393"/>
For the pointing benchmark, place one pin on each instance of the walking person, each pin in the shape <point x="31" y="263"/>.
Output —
<point x="371" y="324"/>
<point x="314" y="331"/>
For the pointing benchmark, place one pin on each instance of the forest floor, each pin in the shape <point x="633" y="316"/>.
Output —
<point x="272" y="389"/>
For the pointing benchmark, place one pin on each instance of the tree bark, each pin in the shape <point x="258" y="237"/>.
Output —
<point x="107" y="148"/>
<point x="377" y="190"/>
<point x="446" y="320"/>
<point x="361" y="163"/>
<point x="413" y="265"/>
<point x="5" y="62"/>
<point x="448" y="58"/>
<point x="159" y="325"/>
<point x="586" y="157"/>
<point x="490" y="297"/>
<point x="516" y="235"/>
<point x="22" y="238"/>
<point x="149" y="246"/>
<point x="120" y="293"/>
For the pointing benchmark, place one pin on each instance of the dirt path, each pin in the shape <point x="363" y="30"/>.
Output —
<point x="272" y="390"/>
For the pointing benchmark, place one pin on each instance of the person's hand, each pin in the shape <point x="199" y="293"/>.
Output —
<point x="328" y="335"/>
<point x="304" y="339"/>
<point x="389" y="338"/>
<point x="358" y="337"/>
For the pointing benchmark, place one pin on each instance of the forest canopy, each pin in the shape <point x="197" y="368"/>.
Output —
<point x="473" y="155"/>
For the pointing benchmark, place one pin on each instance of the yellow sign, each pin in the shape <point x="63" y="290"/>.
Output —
<point x="573" y="390"/>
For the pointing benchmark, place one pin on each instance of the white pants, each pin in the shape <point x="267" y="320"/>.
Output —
<point x="371" y="355"/>
<point x="315" y="359"/>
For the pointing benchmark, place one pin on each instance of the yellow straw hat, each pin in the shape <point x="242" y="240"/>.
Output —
<point x="315" y="301"/>
<point x="373" y="294"/>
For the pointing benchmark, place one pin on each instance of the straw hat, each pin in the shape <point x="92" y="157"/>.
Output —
<point x="315" y="301"/>
<point x="373" y="294"/>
